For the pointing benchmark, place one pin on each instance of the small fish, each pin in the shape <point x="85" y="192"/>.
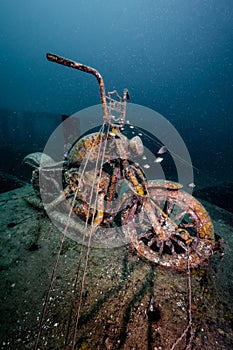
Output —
<point x="146" y="166"/>
<point x="152" y="313"/>
<point x="140" y="134"/>
<point x="151" y="304"/>
<point x="150" y="307"/>
<point x="158" y="160"/>
<point x="144" y="157"/>
<point x="131" y="127"/>
<point x="162" y="150"/>
<point x="191" y="185"/>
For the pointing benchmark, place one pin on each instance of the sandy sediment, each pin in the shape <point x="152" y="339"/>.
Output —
<point x="117" y="291"/>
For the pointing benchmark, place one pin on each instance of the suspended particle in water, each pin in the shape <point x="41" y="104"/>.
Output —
<point x="158" y="160"/>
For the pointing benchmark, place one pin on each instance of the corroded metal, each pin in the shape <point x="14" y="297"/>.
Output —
<point x="66" y="62"/>
<point x="114" y="150"/>
<point x="163" y="224"/>
<point x="182" y="225"/>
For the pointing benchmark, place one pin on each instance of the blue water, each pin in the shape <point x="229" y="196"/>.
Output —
<point x="174" y="56"/>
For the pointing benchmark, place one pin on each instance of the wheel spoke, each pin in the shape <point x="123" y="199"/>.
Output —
<point x="181" y="224"/>
<point x="170" y="207"/>
<point x="179" y="216"/>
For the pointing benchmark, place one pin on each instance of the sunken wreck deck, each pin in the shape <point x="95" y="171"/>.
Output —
<point x="117" y="290"/>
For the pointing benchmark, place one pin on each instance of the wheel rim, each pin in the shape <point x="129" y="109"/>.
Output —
<point x="187" y="230"/>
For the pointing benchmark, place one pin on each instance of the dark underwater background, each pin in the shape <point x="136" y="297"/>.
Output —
<point x="174" y="56"/>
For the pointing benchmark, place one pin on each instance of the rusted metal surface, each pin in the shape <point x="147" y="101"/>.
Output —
<point x="182" y="223"/>
<point x="161" y="222"/>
